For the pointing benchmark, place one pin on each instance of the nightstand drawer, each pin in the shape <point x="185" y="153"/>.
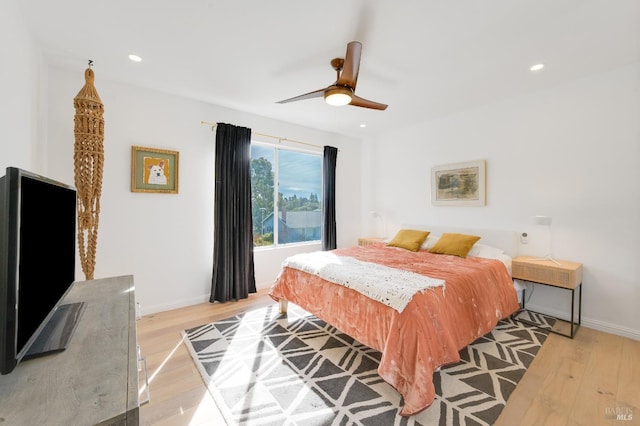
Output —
<point x="567" y="274"/>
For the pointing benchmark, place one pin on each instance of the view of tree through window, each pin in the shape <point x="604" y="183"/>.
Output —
<point x="296" y="177"/>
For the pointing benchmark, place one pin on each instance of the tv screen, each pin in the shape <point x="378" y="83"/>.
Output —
<point x="37" y="264"/>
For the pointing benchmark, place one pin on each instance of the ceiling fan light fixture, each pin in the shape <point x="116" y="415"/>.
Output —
<point x="338" y="96"/>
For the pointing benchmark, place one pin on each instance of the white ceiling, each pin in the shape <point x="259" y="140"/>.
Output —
<point x="425" y="58"/>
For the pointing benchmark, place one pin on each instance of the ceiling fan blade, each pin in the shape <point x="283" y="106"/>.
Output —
<point x="349" y="75"/>
<point x="361" y="102"/>
<point x="315" y="94"/>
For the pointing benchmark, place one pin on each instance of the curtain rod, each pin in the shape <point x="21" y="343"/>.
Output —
<point x="280" y="139"/>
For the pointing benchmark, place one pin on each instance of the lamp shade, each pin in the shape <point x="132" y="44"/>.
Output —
<point x="338" y="96"/>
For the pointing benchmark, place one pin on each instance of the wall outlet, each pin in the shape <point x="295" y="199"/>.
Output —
<point x="524" y="238"/>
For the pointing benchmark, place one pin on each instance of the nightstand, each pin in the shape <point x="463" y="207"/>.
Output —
<point x="561" y="274"/>
<point x="367" y="241"/>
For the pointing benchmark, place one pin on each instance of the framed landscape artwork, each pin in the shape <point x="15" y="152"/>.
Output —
<point x="459" y="184"/>
<point x="154" y="170"/>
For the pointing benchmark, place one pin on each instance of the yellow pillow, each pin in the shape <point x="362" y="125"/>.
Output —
<point x="409" y="239"/>
<point x="454" y="244"/>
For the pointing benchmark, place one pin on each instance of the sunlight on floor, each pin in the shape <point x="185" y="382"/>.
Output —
<point x="143" y="388"/>
<point x="237" y="358"/>
<point x="206" y="413"/>
<point x="243" y="346"/>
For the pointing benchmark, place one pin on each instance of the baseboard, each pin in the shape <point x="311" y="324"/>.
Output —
<point x="176" y="304"/>
<point x="589" y="322"/>
<point x="154" y="309"/>
<point x="264" y="285"/>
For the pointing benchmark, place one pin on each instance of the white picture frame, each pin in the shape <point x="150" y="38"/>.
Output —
<point x="459" y="184"/>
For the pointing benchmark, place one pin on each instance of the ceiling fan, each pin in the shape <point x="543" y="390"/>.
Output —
<point x="342" y="92"/>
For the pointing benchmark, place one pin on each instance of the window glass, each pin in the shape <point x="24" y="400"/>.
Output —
<point x="296" y="178"/>
<point x="299" y="186"/>
<point x="262" y="190"/>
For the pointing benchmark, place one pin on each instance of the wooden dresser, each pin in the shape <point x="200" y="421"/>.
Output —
<point x="95" y="380"/>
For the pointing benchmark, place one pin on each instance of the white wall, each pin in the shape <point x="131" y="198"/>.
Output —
<point x="21" y="84"/>
<point x="571" y="153"/>
<point x="164" y="240"/>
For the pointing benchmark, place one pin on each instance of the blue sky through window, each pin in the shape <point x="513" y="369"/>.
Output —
<point x="300" y="173"/>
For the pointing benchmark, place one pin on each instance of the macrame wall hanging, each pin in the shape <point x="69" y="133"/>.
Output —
<point x="88" y="160"/>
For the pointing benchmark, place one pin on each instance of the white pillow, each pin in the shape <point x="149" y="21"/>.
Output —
<point x="429" y="242"/>
<point x="506" y="259"/>
<point x="484" y="251"/>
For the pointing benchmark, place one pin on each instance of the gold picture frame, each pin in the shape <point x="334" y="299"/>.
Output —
<point x="154" y="170"/>
<point x="459" y="184"/>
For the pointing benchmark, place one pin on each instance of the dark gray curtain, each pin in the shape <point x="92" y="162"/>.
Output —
<point x="329" y="198"/>
<point x="233" y="270"/>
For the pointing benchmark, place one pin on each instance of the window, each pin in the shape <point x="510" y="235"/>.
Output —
<point x="294" y="215"/>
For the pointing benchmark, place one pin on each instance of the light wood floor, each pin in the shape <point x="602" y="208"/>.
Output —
<point x="571" y="382"/>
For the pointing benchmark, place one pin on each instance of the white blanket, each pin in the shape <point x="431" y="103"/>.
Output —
<point x="392" y="287"/>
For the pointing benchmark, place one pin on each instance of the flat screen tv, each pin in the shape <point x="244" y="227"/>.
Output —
<point x="37" y="266"/>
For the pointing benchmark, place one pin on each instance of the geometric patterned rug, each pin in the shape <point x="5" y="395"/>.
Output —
<point x="264" y="368"/>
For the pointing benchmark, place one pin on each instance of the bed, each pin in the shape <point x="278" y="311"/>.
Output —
<point x="462" y="299"/>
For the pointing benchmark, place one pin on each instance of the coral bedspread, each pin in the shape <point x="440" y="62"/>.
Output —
<point x="429" y="332"/>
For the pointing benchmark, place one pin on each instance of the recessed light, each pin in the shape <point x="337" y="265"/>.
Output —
<point x="363" y="125"/>
<point x="537" y="67"/>
<point x="135" y="58"/>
